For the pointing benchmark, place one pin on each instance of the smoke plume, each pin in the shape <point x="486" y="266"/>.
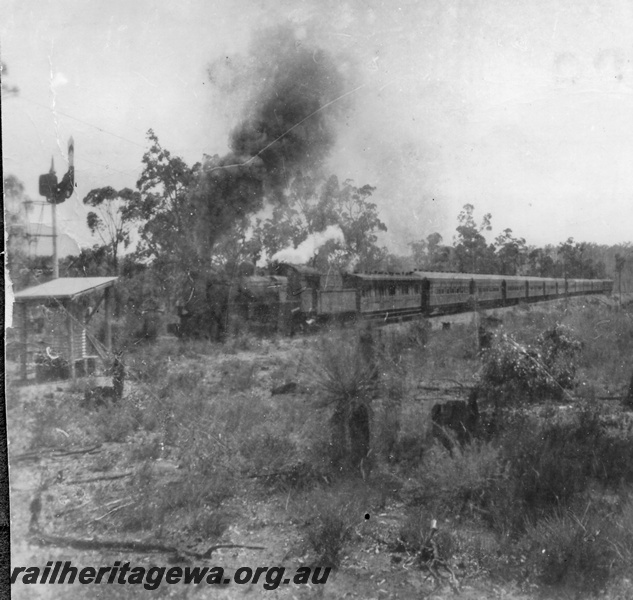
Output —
<point x="293" y="93"/>
<point x="309" y="247"/>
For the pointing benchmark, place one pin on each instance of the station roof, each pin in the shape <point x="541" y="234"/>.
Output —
<point x="64" y="288"/>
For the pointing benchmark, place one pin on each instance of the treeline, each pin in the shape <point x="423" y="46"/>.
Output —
<point x="182" y="221"/>
<point x="508" y="254"/>
<point x="175" y="224"/>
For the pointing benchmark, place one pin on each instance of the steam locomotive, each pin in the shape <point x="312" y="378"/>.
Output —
<point x="295" y="295"/>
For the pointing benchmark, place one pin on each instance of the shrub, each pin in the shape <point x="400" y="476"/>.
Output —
<point x="239" y="341"/>
<point x="574" y="551"/>
<point x="116" y="422"/>
<point x="515" y="373"/>
<point x="267" y="452"/>
<point x="415" y="530"/>
<point x="57" y="423"/>
<point x="331" y="514"/>
<point x="344" y="369"/>
<point x="238" y="375"/>
<point x="190" y="500"/>
<point x="550" y="464"/>
<point x="467" y="482"/>
<point x="559" y="351"/>
<point x="346" y="376"/>
<point x="446" y="349"/>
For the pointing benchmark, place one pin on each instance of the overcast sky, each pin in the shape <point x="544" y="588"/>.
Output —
<point x="524" y="109"/>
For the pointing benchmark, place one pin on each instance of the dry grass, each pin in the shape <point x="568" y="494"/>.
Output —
<point x="209" y="411"/>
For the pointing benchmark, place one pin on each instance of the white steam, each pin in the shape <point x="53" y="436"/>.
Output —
<point x="308" y="248"/>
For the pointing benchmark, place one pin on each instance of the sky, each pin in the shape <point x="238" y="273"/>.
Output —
<point x="523" y="109"/>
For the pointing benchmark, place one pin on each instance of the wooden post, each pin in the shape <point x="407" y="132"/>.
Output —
<point x="55" y="256"/>
<point x="71" y="339"/>
<point x="23" y="341"/>
<point x="108" y="324"/>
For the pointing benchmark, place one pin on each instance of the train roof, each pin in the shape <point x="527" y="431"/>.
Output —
<point x="452" y="276"/>
<point x="265" y="280"/>
<point x="385" y="276"/>
<point x="303" y="269"/>
<point x="437" y="275"/>
<point x="447" y="276"/>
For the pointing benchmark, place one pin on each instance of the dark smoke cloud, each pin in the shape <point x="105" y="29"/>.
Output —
<point x="293" y="94"/>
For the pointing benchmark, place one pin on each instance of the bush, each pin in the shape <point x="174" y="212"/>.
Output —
<point x="57" y="423"/>
<point x="266" y="451"/>
<point x="550" y="464"/>
<point x="516" y="373"/>
<point x="467" y="482"/>
<point x="331" y="514"/>
<point x="188" y="501"/>
<point x="345" y="369"/>
<point x="547" y="467"/>
<point x="415" y="530"/>
<point x="346" y="376"/>
<point x="238" y="375"/>
<point x="576" y="551"/>
<point x="116" y="422"/>
<point x="559" y="351"/>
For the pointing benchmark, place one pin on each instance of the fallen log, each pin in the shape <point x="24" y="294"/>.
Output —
<point x="102" y="477"/>
<point x="43" y="539"/>
<point x="52" y="453"/>
<point x="87" y="450"/>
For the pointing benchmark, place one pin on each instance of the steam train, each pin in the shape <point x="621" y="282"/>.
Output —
<point x="296" y="295"/>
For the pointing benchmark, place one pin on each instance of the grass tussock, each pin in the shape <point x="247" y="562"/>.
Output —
<point x="469" y="483"/>
<point x="346" y="368"/>
<point x="552" y="463"/>
<point x="184" y="501"/>
<point x="415" y="529"/>
<point x="56" y="422"/>
<point x="580" y="551"/>
<point x="533" y="470"/>
<point x="331" y="517"/>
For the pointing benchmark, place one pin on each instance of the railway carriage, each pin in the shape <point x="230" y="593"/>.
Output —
<point x="335" y="297"/>
<point x="535" y="288"/>
<point x="583" y="286"/>
<point x="386" y="294"/>
<point x="337" y="302"/>
<point x="444" y="291"/>
<point x="550" y="287"/>
<point x="488" y="289"/>
<point x="570" y="287"/>
<point x="515" y="289"/>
